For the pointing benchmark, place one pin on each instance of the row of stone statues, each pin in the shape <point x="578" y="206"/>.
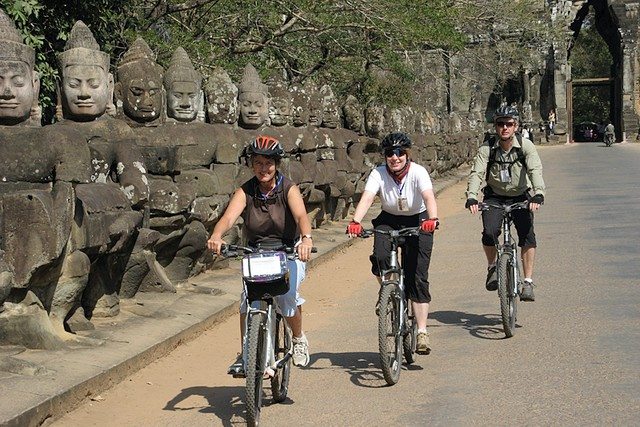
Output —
<point x="120" y="194"/>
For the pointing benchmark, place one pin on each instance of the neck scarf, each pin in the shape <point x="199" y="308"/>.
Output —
<point x="398" y="176"/>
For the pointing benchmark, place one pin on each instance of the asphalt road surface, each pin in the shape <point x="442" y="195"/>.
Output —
<point x="574" y="359"/>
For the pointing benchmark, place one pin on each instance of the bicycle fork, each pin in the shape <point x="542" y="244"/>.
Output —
<point x="509" y="249"/>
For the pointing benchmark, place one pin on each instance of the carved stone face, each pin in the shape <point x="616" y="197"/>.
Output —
<point x="330" y="111"/>
<point x="17" y="92"/>
<point x="374" y="120"/>
<point x="254" y="109"/>
<point x="353" y="118"/>
<point x="222" y="104"/>
<point x="280" y="111"/>
<point x="182" y="101"/>
<point x="142" y="97"/>
<point x="315" y="108"/>
<point x="86" y="91"/>
<point x="300" y="106"/>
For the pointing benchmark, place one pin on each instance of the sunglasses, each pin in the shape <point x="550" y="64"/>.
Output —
<point x="399" y="152"/>
<point x="507" y="124"/>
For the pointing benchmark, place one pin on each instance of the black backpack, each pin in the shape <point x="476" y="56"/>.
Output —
<point x="493" y="150"/>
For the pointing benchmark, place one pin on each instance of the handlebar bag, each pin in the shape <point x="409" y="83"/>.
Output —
<point x="265" y="274"/>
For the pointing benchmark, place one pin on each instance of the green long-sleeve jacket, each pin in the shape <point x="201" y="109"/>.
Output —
<point x="520" y="182"/>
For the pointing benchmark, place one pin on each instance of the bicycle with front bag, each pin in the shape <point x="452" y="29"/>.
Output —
<point x="397" y="329"/>
<point x="267" y="347"/>
<point x="508" y="266"/>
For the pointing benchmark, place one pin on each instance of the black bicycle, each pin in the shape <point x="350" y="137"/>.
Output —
<point x="508" y="266"/>
<point x="267" y="342"/>
<point x="397" y="329"/>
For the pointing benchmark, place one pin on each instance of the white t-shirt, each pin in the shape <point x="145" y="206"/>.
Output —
<point x="413" y="184"/>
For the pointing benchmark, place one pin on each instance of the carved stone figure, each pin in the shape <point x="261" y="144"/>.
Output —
<point x="183" y="85"/>
<point x="280" y="107"/>
<point x="315" y="104"/>
<point x="374" y="120"/>
<point x="139" y="85"/>
<point x="253" y="99"/>
<point x="19" y="83"/>
<point x="106" y="225"/>
<point x="300" y="105"/>
<point x="87" y="85"/>
<point x="353" y="114"/>
<point x="222" y="98"/>
<point x="330" y="108"/>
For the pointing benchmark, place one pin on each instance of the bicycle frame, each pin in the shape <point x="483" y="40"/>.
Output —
<point x="509" y="248"/>
<point x="395" y="275"/>
<point x="269" y="308"/>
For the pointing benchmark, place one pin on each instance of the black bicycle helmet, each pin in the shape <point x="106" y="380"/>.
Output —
<point x="267" y="146"/>
<point x="395" y="140"/>
<point x="506" y="112"/>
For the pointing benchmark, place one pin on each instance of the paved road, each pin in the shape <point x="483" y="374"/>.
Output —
<point x="573" y="361"/>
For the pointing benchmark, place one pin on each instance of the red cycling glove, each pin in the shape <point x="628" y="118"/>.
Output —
<point x="354" y="228"/>
<point x="430" y="225"/>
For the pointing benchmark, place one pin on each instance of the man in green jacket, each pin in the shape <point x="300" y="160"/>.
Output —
<point x="511" y="167"/>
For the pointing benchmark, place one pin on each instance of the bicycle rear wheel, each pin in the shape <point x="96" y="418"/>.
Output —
<point x="282" y="341"/>
<point x="508" y="299"/>
<point x="389" y="338"/>
<point x="255" y="369"/>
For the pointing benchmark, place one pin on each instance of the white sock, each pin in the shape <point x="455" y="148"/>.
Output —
<point x="528" y="279"/>
<point x="422" y="330"/>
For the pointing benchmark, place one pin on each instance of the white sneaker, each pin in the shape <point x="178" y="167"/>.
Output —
<point x="300" y="351"/>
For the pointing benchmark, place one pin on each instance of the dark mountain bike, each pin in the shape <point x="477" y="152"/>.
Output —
<point x="508" y="266"/>
<point x="396" y="327"/>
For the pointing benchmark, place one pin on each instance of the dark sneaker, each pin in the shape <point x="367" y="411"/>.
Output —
<point x="526" y="293"/>
<point x="237" y="368"/>
<point x="492" y="279"/>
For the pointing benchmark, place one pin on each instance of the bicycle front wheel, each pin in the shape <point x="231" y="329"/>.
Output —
<point x="389" y="337"/>
<point x="280" y="381"/>
<point x="409" y="339"/>
<point x="255" y="369"/>
<point x="506" y="283"/>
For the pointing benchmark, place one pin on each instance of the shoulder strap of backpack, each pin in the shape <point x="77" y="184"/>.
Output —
<point x="492" y="155"/>
<point x="521" y="157"/>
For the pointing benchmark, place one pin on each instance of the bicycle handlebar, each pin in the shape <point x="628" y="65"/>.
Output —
<point x="403" y="232"/>
<point x="483" y="206"/>
<point x="230" y="251"/>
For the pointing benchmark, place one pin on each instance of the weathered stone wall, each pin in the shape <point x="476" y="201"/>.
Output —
<point x="121" y="195"/>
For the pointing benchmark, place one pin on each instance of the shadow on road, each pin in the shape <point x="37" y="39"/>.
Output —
<point x="227" y="403"/>
<point x="363" y="367"/>
<point x="485" y="326"/>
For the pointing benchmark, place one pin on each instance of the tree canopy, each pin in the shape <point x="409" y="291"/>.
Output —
<point x="341" y="42"/>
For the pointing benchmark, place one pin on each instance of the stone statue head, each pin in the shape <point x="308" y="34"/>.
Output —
<point x="353" y="115"/>
<point x="299" y="105"/>
<point x="330" y="108"/>
<point x="222" y="97"/>
<point x="280" y="108"/>
<point x="19" y="83"/>
<point x="315" y="104"/>
<point x="139" y="85"/>
<point x="374" y="120"/>
<point x="183" y="85"/>
<point x="87" y="85"/>
<point x="253" y="100"/>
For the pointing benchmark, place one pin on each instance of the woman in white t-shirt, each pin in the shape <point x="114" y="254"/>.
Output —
<point x="408" y="200"/>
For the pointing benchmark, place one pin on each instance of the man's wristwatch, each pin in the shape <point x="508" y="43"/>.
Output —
<point x="308" y="236"/>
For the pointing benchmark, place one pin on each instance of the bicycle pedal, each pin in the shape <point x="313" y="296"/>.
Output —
<point x="237" y="374"/>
